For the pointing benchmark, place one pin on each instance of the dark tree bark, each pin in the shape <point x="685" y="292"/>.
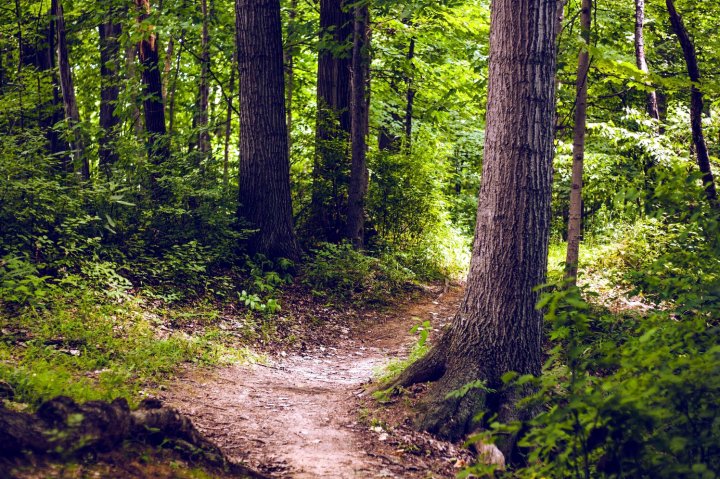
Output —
<point x="497" y="328"/>
<point x="696" y="104"/>
<point x="264" y="166"/>
<point x="72" y="114"/>
<point x="333" y="127"/>
<point x="581" y="88"/>
<point x="358" y="170"/>
<point x="110" y="32"/>
<point x="652" y="103"/>
<point x="153" y="105"/>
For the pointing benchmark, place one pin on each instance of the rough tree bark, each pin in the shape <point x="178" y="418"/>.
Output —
<point x="153" y="105"/>
<point x="581" y="88"/>
<point x="696" y="104"/>
<point x="67" y="87"/>
<point x="497" y="328"/>
<point x="333" y="125"/>
<point x="359" y="112"/>
<point x="110" y="31"/>
<point x="264" y="166"/>
<point x="652" y="103"/>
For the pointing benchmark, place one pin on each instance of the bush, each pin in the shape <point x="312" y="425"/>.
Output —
<point x="622" y="396"/>
<point x="342" y="273"/>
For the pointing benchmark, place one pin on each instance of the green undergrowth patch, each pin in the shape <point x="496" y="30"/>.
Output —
<point x="89" y="350"/>
<point x="620" y="395"/>
<point x="340" y="273"/>
<point x="396" y="366"/>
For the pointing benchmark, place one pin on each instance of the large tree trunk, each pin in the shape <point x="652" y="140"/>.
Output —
<point x="333" y="127"/>
<point x="264" y="166"/>
<point x="67" y="87"/>
<point x="696" y="104"/>
<point x="652" y="103"/>
<point x="157" y="141"/>
<point x="110" y="32"/>
<point x="358" y="170"/>
<point x="581" y="88"/>
<point x="497" y="328"/>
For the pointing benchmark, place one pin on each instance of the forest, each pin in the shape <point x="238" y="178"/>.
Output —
<point x="359" y="239"/>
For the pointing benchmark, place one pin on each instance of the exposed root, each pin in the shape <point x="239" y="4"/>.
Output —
<point x="430" y="367"/>
<point x="63" y="428"/>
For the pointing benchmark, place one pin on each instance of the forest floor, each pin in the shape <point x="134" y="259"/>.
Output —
<point x="306" y="414"/>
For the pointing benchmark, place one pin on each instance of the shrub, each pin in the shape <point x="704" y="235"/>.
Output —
<point x="622" y="396"/>
<point x="343" y="273"/>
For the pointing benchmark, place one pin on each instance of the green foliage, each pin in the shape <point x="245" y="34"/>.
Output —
<point x="396" y="366"/>
<point x="342" y="273"/>
<point x="622" y="396"/>
<point x="21" y="283"/>
<point x="89" y="351"/>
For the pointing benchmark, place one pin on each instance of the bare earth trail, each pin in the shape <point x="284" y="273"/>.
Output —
<point x="298" y="417"/>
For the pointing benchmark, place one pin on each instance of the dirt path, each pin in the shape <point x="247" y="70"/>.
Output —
<point x="298" y="417"/>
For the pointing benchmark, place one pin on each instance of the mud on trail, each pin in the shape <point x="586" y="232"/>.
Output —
<point x="299" y="416"/>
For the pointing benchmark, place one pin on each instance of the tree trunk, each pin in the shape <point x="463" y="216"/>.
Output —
<point x="173" y="87"/>
<point x="696" y="105"/>
<point x="204" y="90"/>
<point x="410" y="97"/>
<point x="157" y="141"/>
<point x="110" y="32"/>
<point x="333" y="126"/>
<point x="264" y="166"/>
<point x="228" y="121"/>
<point x="290" y="70"/>
<point x="652" y="103"/>
<point x="497" y="328"/>
<point x="130" y="59"/>
<point x="581" y="87"/>
<point x="72" y="115"/>
<point x="358" y="170"/>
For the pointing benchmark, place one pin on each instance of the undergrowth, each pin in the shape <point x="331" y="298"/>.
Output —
<point x="89" y="350"/>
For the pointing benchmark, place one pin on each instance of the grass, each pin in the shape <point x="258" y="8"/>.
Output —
<point x="89" y="351"/>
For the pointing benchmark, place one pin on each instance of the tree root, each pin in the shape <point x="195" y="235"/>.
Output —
<point x="64" y="429"/>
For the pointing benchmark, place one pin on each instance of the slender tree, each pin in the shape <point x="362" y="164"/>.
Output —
<point x="204" y="88"/>
<point x="67" y="87"/>
<point x="359" y="120"/>
<point x="410" y="94"/>
<point x="652" y="103"/>
<point x="264" y="166"/>
<point x="110" y="30"/>
<point x="581" y="89"/>
<point x="497" y="328"/>
<point x="333" y="125"/>
<point x="228" y="119"/>
<point x="696" y="104"/>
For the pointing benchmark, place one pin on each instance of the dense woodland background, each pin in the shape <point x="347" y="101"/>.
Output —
<point x="128" y="185"/>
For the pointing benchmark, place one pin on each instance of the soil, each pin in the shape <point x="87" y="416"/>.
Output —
<point x="307" y="414"/>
